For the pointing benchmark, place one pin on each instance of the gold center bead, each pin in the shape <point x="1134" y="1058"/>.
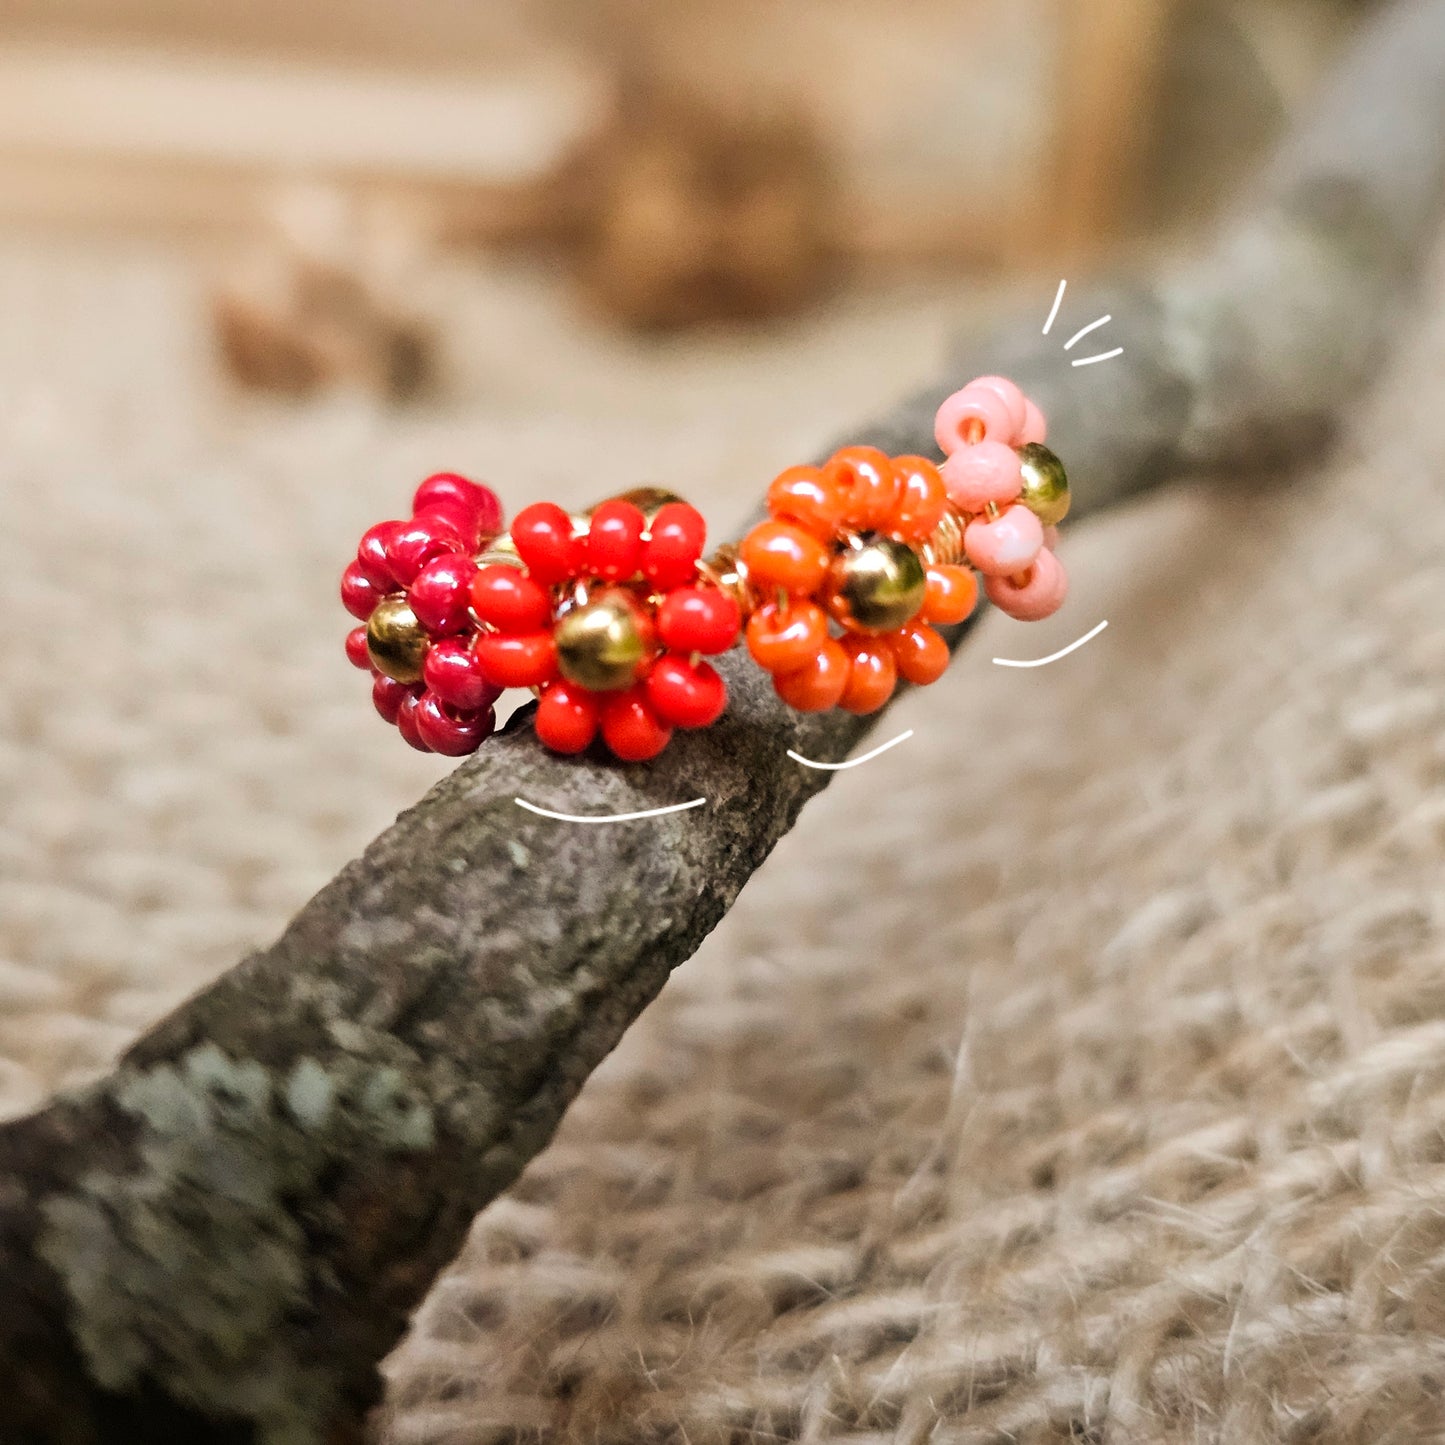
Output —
<point x="1046" y="484"/>
<point x="604" y="643"/>
<point x="877" y="586"/>
<point x="395" y="641"/>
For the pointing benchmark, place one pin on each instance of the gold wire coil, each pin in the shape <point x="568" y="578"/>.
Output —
<point x="944" y="547"/>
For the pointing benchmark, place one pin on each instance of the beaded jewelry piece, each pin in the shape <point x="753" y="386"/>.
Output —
<point x="607" y="618"/>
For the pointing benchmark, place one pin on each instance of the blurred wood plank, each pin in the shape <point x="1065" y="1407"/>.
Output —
<point x="123" y="133"/>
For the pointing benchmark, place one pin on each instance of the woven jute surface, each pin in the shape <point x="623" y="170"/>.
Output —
<point x="1075" y="1071"/>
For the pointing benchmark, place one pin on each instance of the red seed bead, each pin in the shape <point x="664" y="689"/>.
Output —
<point x="525" y="660"/>
<point x="413" y="544"/>
<point x="676" y="537"/>
<point x="359" y="595"/>
<point x="373" y="556"/>
<point x="784" y="641"/>
<point x="922" y="655"/>
<point x="454" y="673"/>
<point x="544" y="541"/>
<point x="810" y="498"/>
<point x="819" y="685"/>
<point x="922" y="499"/>
<point x="510" y="600"/>
<point x="448" y="731"/>
<point x="952" y="595"/>
<point x="866" y="480"/>
<point x="407" y="723"/>
<point x="686" y="694"/>
<point x="614" y="541"/>
<point x="698" y="619"/>
<point x="387" y="695"/>
<point x="872" y="674"/>
<point x="567" y="717"/>
<point x="782" y="555"/>
<point x="630" y="727"/>
<point x="449" y="489"/>
<point x="356" y="653"/>
<point x="441" y="594"/>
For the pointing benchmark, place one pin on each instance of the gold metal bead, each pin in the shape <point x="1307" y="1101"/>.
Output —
<point x="648" y="500"/>
<point x="877" y="586"/>
<point x="395" y="640"/>
<point x="605" y="641"/>
<point x="1046" y="484"/>
<point x="501" y="551"/>
<point x="725" y="570"/>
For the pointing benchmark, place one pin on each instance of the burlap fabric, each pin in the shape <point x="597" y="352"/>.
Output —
<point x="1075" y="1071"/>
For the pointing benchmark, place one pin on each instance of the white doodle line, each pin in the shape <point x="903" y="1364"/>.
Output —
<point x="1078" y="336"/>
<point x="1058" y="301"/>
<point x="852" y="762"/>
<point x="1103" y="356"/>
<point x="1053" y="656"/>
<point x="610" y="817"/>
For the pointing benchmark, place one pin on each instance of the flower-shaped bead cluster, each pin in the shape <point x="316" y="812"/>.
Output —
<point x="607" y="622"/>
<point x="847" y="583"/>
<point x="1012" y="490"/>
<point x="410" y="589"/>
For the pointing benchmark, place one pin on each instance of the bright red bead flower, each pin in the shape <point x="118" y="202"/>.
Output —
<point x="607" y="622"/>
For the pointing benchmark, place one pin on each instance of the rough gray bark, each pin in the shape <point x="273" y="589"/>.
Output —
<point x="220" y="1240"/>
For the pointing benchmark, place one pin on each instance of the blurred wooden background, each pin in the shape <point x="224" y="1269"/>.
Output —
<point x="683" y="161"/>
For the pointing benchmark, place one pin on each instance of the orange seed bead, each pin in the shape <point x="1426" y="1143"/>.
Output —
<point x="922" y="498"/>
<point x="921" y="653"/>
<point x="872" y="674"/>
<point x="951" y="597"/>
<point x="785" y="640"/>
<point x="870" y="489"/>
<point x="782" y="554"/>
<point x="806" y="496"/>
<point x="819" y="685"/>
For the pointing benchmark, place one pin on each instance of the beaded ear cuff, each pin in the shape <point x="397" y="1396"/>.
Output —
<point x="609" y="618"/>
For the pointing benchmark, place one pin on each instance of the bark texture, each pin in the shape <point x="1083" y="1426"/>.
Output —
<point x="219" y="1241"/>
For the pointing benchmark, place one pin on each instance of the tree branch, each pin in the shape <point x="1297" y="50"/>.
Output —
<point x="220" y="1240"/>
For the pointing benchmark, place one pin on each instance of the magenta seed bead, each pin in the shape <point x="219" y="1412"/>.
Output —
<point x="440" y="595"/>
<point x="407" y="722"/>
<point x="356" y="653"/>
<point x="387" y="695"/>
<point x="454" y="673"/>
<point x="480" y="503"/>
<point x="415" y="543"/>
<point x="453" y="734"/>
<point x="359" y="595"/>
<point x="373" y="556"/>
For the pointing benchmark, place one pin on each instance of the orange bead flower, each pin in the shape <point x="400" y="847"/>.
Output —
<point x="850" y="582"/>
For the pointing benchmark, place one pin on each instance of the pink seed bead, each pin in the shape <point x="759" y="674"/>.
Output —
<point x="1051" y="538"/>
<point x="968" y="409"/>
<point x="1009" y="394"/>
<point x="1006" y="545"/>
<point x="978" y="475"/>
<point x="1035" y="428"/>
<point x="1041" y="595"/>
